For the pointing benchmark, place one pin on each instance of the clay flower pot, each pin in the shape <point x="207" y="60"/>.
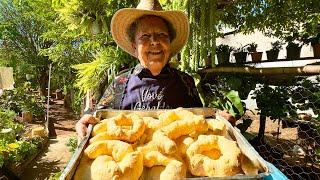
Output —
<point x="293" y="52"/>
<point x="240" y="57"/>
<point x="223" y="58"/>
<point x="272" y="55"/>
<point x="316" y="50"/>
<point x="256" y="56"/>
<point x="26" y="116"/>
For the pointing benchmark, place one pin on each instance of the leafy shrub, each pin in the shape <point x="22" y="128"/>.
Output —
<point x="21" y="99"/>
<point x="72" y="144"/>
<point x="7" y="121"/>
<point x="274" y="101"/>
<point x="11" y="149"/>
<point x="55" y="176"/>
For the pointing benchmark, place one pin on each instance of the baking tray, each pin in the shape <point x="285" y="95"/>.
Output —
<point x="210" y="114"/>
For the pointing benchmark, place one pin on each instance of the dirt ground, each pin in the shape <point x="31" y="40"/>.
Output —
<point x="290" y="152"/>
<point x="55" y="158"/>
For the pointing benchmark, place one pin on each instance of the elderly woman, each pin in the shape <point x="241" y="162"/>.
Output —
<point x="153" y="36"/>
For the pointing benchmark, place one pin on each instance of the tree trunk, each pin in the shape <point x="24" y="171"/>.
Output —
<point x="43" y="82"/>
<point x="262" y="127"/>
<point x="67" y="99"/>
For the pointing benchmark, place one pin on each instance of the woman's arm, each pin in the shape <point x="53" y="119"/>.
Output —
<point x="105" y="101"/>
<point x="111" y="99"/>
<point x="82" y="124"/>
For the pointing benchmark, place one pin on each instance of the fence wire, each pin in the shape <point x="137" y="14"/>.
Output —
<point x="292" y="143"/>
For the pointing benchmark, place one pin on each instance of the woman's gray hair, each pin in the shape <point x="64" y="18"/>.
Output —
<point x="133" y="28"/>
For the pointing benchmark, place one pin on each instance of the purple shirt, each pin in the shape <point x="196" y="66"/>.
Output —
<point x="142" y="91"/>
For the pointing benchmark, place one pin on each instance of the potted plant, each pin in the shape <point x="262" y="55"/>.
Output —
<point x="223" y="53"/>
<point x="293" y="48"/>
<point x="315" y="43"/>
<point x="240" y="54"/>
<point x="273" y="53"/>
<point x="256" y="56"/>
<point x="27" y="115"/>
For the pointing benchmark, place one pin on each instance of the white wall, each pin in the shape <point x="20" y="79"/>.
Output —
<point x="264" y="44"/>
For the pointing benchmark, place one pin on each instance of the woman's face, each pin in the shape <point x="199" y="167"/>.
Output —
<point x="152" y="43"/>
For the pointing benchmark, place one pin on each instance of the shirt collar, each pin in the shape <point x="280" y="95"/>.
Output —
<point x="140" y="69"/>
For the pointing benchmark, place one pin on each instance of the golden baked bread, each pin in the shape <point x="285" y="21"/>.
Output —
<point x="127" y="128"/>
<point x="168" y="148"/>
<point x="204" y="164"/>
<point x="115" y="148"/>
<point x="185" y="126"/>
<point x="83" y="171"/>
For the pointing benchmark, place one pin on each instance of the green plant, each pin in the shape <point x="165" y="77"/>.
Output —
<point x="16" y="151"/>
<point x="313" y="39"/>
<point x="273" y="102"/>
<point x="241" y="49"/>
<point x="22" y="99"/>
<point x="55" y="176"/>
<point x="252" y="47"/>
<point x="226" y="100"/>
<point x="277" y="45"/>
<point x="307" y="94"/>
<point x="22" y="32"/>
<point x="72" y="144"/>
<point x="7" y="121"/>
<point x="292" y="41"/>
<point x="11" y="148"/>
<point x="223" y="48"/>
<point x="103" y="69"/>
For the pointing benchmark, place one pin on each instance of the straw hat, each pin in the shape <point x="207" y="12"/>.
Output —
<point x="123" y="18"/>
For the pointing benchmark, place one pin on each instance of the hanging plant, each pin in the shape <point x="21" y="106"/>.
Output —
<point x="83" y="15"/>
<point x="202" y="16"/>
<point x="102" y="70"/>
<point x="88" y="16"/>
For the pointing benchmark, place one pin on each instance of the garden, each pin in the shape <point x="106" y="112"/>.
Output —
<point x="59" y="49"/>
<point x="22" y="130"/>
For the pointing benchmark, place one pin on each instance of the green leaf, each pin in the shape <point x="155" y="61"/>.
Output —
<point x="233" y="96"/>
<point x="230" y="108"/>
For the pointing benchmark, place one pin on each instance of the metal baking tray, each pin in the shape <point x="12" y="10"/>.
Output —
<point x="210" y="114"/>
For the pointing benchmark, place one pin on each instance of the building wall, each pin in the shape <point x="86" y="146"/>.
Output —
<point x="264" y="44"/>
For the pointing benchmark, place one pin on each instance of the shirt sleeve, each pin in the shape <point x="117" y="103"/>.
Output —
<point x="113" y="95"/>
<point x="108" y="98"/>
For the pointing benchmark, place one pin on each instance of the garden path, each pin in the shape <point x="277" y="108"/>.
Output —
<point x="55" y="158"/>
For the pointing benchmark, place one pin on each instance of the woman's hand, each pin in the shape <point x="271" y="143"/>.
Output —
<point x="82" y="124"/>
<point x="225" y="114"/>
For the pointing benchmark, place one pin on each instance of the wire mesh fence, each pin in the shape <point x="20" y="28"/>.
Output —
<point x="290" y="141"/>
<point x="283" y="125"/>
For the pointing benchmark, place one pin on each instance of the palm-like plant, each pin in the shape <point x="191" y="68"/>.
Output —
<point x="83" y="15"/>
<point x="95" y="75"/>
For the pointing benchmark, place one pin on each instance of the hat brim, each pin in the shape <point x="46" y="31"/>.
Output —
<point x="123" y="18"/>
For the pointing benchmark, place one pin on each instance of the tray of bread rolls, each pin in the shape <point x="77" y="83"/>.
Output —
<point x="182" y="143"/>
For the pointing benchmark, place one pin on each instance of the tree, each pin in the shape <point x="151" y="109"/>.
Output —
<point x="21" y="25"/>
<point x="279" y="18"/>
<point x="83" y="28"/>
